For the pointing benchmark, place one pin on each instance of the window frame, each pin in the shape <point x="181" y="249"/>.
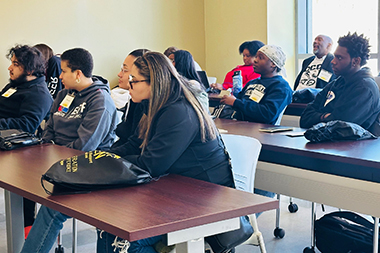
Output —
<point x="304" y="37"/>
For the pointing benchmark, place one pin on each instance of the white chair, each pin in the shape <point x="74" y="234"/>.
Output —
<point x="244" y="152"/>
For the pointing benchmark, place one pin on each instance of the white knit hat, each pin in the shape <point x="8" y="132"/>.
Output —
<point x="275" y="54"/>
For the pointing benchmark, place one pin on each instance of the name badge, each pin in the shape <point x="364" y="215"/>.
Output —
<point x="324" y="75"/>
<point x="256" y="95"/>
<point x="9" y="92"/>
<point x="66" y="102"/>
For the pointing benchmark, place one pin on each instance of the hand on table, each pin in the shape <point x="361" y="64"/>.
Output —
<point x="216" y="86"/>
<point x="228" y="100"/>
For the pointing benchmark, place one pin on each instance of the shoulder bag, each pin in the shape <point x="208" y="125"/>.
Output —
<point x="94" y="170"/>
<point x="14" y="138"/>
<point x="342" y="232"/>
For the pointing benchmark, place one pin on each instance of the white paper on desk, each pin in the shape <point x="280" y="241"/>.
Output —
<point x="224" y="92"/>
<point x="222" y="131"/>
<point x="293" y="133"/>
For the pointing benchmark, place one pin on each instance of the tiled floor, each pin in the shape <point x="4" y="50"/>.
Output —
<point x="296" y="226"/>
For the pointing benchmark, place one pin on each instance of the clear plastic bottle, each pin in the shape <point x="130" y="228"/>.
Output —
<point x="237" y="81"/>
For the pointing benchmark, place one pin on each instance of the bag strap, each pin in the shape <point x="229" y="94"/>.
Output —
<point x="43" y="186"/>
<point x="352" y="217"/>
<point x="218" y="110"/>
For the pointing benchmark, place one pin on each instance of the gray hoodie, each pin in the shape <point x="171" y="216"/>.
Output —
<point x="89" y="122"/>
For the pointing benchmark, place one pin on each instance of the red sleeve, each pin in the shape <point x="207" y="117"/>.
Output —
<point x="228" y="79"/>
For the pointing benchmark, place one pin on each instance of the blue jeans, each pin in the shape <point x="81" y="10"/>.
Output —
<point x="265" y="194"/>
<point x="44" y="231"/>
<point x="107" y="244"/>
<point x="49" y="222"/>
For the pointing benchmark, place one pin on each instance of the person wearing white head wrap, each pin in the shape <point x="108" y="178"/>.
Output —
<point x="264" y="99"/>
<point x="275" y="54"/>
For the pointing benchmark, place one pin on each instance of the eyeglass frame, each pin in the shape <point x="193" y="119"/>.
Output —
<point x="131" y="82"/>
<point x="123" y="70"/>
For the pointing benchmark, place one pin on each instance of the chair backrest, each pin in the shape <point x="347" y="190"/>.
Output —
<point x="244" y="152"/>
<point x="278" y="121"/>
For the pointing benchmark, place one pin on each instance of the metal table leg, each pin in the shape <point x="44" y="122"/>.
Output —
<point x="14" y="221"/>
<point x="376" y="236"/>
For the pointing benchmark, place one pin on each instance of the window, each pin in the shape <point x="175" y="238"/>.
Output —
<point x="336" y="18"/>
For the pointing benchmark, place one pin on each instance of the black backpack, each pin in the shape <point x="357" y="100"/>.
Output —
<point x="344" y="232"/>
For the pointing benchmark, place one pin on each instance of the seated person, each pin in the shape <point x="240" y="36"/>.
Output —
<point x="25" y="101"/>
<point x="262" y="100"/>
<point x="83" y="117"/>
<point x="184" y="64"/>
<point x="173" y="116"/>
<point x="169" y="52"/>
<point x="249" y="50"/>
<point x="316" y="70"/>
<point x="132" y="112"/>
<point x="354" y="95"/>
<point x="53" y="69"/>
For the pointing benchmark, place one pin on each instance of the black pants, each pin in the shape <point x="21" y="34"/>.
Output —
<point x="29" y="212"/>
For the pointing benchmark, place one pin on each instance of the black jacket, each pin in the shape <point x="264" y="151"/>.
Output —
<point x="53" y="72"/>
<point x="27" y="107"/>
<point x="355" y="100"/>
<point x="326" y="65"/>
<point x="130" y="121"/>
<point x="175" y="147"/>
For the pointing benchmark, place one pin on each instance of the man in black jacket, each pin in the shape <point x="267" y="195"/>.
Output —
<point x="25" y="101"/>
<point x="316" y="70"/>
<point x="354" y="96"/>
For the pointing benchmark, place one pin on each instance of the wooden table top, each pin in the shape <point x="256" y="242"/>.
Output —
<point x="172" y="203"/>
<point x="354" y="159"/>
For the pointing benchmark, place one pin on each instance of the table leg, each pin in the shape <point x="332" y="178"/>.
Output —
<point x="191" y="246"/>
<point x="191" y="240"/>
<point x="14" y="221"/>
<point x="376" y="236"/>
<point x="75" y="236"/>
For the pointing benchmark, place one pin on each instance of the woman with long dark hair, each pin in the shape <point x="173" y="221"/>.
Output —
<point x="176" y="135"/>
<point x="184" y="64"/>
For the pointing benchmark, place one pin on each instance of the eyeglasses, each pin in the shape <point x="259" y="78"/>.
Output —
<point x="122" y="69"/>
<point x="131" y="82"/>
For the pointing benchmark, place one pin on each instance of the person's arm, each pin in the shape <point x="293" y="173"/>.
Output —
<point x="227" y="83"/>
<point x="173" y="132"/>
<point x="95" y="126"/>
<point x="130" y="147"/>
<point x="33" y="109"/>
<point x="267" y="110"/>
<point x="357" y="104"/>
<point x="314" y="113"/>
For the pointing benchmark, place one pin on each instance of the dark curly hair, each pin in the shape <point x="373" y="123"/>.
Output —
<point x="251" y="46"/>
<point x="357" y="46"/>
<point x="30" y="58"/>
<point x="79" y="59"/>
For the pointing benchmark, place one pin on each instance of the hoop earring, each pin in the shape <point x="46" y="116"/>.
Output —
<point x="77" y="80"/>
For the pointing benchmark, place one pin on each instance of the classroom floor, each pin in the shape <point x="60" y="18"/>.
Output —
<point x="296" y="225"/>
